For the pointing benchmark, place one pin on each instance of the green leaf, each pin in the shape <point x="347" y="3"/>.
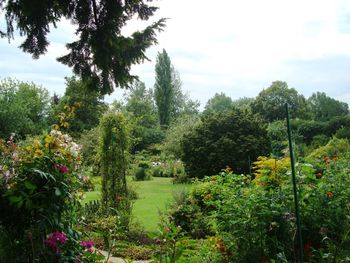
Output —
<point x="16" y="200"/>
<point x="29" y="185"/>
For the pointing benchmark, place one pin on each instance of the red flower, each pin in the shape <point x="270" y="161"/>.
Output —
<point x="62" y="168"/>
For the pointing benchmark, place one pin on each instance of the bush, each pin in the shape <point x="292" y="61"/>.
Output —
<point x="343" y="133"/>
<point x="142" y="172"/>
<point x="333" y="149"/>
<point x="226" y="139"/>
<point x="169" y="168"/>
<point x="38" y="186"/>
<point x="256" y="218"/>
<point x="195" y="212"/>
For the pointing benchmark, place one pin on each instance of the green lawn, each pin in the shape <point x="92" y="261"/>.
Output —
<point x="154" y="195"/>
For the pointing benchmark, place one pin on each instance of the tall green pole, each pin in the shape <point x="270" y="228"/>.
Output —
<point x="296" y="203"/>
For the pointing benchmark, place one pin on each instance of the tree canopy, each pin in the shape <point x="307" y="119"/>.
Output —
<point x="270" y="102"/>
<point x="101" y="56"/>
<point x="23" y="108"/>
<point x="218" y="103"/>
<point x="164" y="88"/>
<point x="90" y="110"/>
<point x="142" y="116"/>
<point x="170" y="100"/>
<point x="224" y="139"/>
<point x="324" y="108"/>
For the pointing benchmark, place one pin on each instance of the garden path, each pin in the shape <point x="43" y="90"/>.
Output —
<point x="121" y="260"/>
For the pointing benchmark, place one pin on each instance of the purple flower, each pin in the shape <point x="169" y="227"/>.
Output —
<point x="54" y="240"/>
<point x="88" y="245"/>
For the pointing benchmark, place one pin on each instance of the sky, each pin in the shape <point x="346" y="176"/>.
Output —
<point x="230" y="46"/>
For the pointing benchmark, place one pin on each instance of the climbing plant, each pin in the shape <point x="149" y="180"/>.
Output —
<point x="113" y="152"/>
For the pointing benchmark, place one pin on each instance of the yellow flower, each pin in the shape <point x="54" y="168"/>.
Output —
<point x="55" y="127"/>
<point x="48" y="139"/>
<point x="29" y="148"/>
<point x="38" y="153"/>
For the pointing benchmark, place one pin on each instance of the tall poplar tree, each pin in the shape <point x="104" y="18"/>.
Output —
<point x="164" y="88"/>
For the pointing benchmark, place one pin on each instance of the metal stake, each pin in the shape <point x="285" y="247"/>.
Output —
<point x="296" y="204"/>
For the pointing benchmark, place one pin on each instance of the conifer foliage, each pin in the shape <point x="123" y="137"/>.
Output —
<point x="101" y="55"/>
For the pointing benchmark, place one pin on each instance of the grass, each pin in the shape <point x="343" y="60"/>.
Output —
<point x="153" y="197"/>
<point x="96" y="194"/>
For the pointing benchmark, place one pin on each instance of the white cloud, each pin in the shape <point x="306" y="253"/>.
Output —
<point x="250" y="42"/>
<point x="236" y="47"/>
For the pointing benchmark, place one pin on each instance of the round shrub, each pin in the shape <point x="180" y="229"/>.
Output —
<point x="225" y="139"/>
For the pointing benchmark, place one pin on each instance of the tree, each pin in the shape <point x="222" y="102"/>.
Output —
<point x="101" y="56"/>
<point x="277" y="132"/>
<point x="243" y="103"/>
<point x="324" y="108"/>
<point x="23" y="108"/>
<point x="170" y="100"/>
<point x="139" y="101"/>
<point x="163" y="88"/>
<point x="90" y="109"/>
<point x="172" y="142"/>
<point x="142" y="116"/>
<point x="269" y="104"/>
<point x="182" y="103"/>
<point x="218" y="103"/>
<point x="224" y="139"/>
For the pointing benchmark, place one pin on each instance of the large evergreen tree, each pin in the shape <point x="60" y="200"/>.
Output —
<point x="102" y="56"/>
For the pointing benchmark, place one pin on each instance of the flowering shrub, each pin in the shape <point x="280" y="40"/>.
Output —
<point x="63" y="248"/>
<point x="170" y="241"/>
<point x="38" y="186"/>
<point x="256" y="222"/>
<point x="270" y="171"/>
<point x="55" y="240"/>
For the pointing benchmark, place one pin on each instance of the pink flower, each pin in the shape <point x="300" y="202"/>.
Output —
<point x="88" y="245"/>
<point x="54" y="240"/>
<point x="62" y="168"/>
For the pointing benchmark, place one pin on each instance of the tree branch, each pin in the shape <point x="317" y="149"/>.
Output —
<point x="94" y="8"/>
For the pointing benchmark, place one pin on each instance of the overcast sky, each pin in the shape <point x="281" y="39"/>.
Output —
<point x="230" y="46"/>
